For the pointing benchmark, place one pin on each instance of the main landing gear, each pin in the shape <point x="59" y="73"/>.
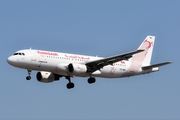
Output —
<point x="91" y="80"/>
<point x="29" y="75"/>
<point x="70" y="84"/>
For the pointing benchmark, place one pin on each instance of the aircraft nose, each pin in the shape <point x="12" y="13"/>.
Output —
<point x="10" y="60"/>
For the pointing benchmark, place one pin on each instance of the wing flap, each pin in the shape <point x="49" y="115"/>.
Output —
<point x="156" y="65"/>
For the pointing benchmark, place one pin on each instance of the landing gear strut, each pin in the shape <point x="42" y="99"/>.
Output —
<point x="70" y="84"/>
<point x="29" y="75"/>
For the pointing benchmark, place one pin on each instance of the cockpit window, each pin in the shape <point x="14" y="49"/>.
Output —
<point x="19" y="53"/>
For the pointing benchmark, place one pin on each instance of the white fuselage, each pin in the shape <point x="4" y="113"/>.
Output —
<point x="41" y="60"/>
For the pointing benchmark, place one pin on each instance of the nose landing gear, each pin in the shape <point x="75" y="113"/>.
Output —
<point x="29" y="75"/>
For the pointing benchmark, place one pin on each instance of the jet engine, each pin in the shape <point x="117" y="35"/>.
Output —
<point x="46" y="77"/>
<point x="76" y="68"/>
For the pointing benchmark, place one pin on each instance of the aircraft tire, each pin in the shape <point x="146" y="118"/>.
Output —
<point x="70" y="85"/>
<point x="28" y="77"/>
<point x="91" y="80"/>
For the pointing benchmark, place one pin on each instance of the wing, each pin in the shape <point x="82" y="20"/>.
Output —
<point x="98" y="64"/>
<point x="156" y="65"/>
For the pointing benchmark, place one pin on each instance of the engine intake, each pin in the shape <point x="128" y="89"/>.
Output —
<point x="46" y="77"/>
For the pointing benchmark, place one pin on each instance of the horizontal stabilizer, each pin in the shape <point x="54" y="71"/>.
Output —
<point x="156" y="65"/>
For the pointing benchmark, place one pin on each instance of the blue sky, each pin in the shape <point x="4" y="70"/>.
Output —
<point x="94" y="27"/>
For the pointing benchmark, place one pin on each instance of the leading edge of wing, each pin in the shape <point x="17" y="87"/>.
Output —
<point x="97" y="64"/>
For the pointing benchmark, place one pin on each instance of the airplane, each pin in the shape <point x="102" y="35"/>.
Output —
<point x="51" y="66"/>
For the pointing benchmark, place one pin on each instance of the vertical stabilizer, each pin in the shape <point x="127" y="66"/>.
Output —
<point x="145" y="57"/>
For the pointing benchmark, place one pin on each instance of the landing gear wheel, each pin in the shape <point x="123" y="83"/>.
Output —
<point x="91" y="80"/>
<point x="70" y="85"/>
<point x="28" y="77"/>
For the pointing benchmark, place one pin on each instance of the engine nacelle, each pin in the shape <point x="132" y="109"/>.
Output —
<point x="76" y="68"/>
<point x="45" y="77"/>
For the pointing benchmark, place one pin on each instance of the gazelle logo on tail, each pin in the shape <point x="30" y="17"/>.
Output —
<point x="150" y="44"/>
